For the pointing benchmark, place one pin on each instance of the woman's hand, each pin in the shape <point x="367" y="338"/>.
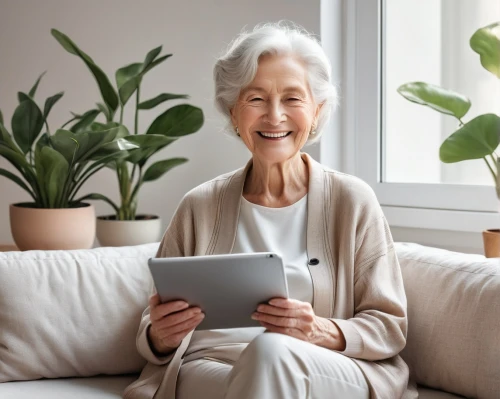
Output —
<point x="170" y="323"/>
<point x="297" y="319"/>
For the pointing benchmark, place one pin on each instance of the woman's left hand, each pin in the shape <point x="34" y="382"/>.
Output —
<point x="297" y="319"/>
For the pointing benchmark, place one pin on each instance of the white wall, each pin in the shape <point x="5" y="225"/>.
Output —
<point x="115" y="33"/>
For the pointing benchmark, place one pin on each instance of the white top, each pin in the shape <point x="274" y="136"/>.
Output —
<point x="282" y="231"/>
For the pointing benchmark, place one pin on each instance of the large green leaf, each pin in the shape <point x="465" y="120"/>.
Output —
<point x="128" y="80"/>
<point x="117" y="145"/>
<point x="107" y="91"/>
<point x="52" y="172"/>
<point x="155" y="63"/>
<point x="177" y="121"/>
<point x="159" y="168"/>
<point x="440" y="99"/>
<point x="84" y="121"/>
<point x="6" y="139"/>
<point x="27" y="123"/>
<point x="148" y="104"/>
<point x="49" y="103"/>
<point x="486" y="42"/>
<point x="16" y="180"/>
<point x="35" y="86"/>
<point x="85" y="143"/>
<point x="476" y="139"/>
<point x="149" y="140"/>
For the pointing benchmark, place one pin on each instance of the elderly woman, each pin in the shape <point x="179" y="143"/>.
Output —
<point x="339" y="334"/>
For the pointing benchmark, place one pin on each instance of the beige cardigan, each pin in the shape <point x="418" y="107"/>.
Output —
<point x="357" y="282"/>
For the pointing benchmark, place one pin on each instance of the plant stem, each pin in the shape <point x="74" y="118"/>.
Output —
<point x="79" y="184"/>
<point x="491" y="170"/>
<point x="137" y="97"/>
<point x="47" y="125"/>
<point x="461" y="122"/>
<point x="121" y="114"/>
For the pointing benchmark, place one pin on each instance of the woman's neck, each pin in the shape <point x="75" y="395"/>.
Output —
<point x="276" y="185"/>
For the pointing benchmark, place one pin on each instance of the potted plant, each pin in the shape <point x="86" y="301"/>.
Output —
<point x="126" y="226"/>
<point x="52" y="169"/>
<point x="477" y="138"/>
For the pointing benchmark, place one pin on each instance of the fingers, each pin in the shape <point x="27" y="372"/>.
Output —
<point x="188" y="324"/>
<point x="292" y="332"/>
<point x="179" y="317"/>
<point x="273" y="310"/>
<point x="286" y="322"/>
<point x="159" y="310"/>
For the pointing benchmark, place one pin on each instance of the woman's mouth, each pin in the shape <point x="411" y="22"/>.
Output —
<point x="274" y="135"/>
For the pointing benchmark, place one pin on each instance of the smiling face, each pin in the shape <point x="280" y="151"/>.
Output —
<point x="276" y="112"/>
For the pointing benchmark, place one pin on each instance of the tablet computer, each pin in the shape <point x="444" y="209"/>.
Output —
<point x="227" y="288"/>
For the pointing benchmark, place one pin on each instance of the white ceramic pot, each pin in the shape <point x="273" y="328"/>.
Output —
<point x="64" y="228"/>
<point x="119" y="233"/>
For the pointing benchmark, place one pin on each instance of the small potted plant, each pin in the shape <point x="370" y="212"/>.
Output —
<point x="477" y="138"/>
<point x="52" y="169"/>
<point x="126" y="226"/>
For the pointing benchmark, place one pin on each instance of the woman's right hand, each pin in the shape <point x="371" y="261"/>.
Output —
<point x="170" y="323"/>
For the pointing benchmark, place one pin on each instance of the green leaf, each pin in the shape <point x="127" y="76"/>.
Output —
<point x="160" y="99"/>
<point x="123" y="74"/>
<point x="155" y="63"/>
<point x="149" y="140"/>
<point x="1" y="117"/>
<point x="107" y="91"/>
<point x="85" y="121"/>
<point x="6" y="139"/>
<point x="106" y="111"/>
<point x="476" y="139"/>
<point x="129" y="78"/>
<point x="151" y="56"/>
<point x="177" y="121"/>
<point x="486" y="42"/>
<point x="159" y="168"/>
<point x="117" y="145"/>
<point x="52" y="172"/>
<point x="27" y="123"/>
<point x="16" y="180"/>
<point x="49" y="103"/>
<point x="86" y="143"/>
<point x="440" y="99"/>
<point x="35" y="86"/>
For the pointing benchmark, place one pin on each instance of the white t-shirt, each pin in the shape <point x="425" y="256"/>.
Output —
<point x="263" y="229"/>
<point x="282" y="231"/>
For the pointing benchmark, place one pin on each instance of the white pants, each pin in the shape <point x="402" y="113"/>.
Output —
<point x="274" y="366"/>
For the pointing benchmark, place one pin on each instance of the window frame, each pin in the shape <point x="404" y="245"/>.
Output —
<point x="433" y="206"/>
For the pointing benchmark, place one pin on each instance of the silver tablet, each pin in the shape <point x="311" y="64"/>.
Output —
<point x="228" y="288"/>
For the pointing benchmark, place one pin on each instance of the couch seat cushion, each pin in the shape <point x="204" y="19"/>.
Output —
<point x="427" y="393"/>
<point x="104" y="387"/>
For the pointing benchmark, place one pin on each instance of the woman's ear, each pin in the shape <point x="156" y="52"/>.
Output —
<point x="316" y="113"/>
<point x="233" y="117"/>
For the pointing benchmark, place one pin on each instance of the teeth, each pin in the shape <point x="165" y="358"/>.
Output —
<point x="274" y="135"/>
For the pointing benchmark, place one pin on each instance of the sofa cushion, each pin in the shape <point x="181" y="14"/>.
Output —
<point x="454" y="320"/>
<point x="64" y="388"/>
<point x="72" y="313"/>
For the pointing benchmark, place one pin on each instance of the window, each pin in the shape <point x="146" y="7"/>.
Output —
<point x="396" y="142"/>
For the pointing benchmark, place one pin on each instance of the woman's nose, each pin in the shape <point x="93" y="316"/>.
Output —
<point x="275" y="113"/>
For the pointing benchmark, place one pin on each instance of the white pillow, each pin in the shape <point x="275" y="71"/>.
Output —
<point x="453" y="320"/>
<point x="72" y="313"/>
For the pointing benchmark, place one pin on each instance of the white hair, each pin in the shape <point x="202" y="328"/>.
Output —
<point x="237" y="68"/>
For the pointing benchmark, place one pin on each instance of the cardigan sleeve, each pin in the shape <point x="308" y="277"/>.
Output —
<point x="177" y="241"/>
<point x="379" y="327"/>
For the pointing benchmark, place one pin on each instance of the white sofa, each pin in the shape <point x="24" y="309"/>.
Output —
<point x="68" y="321"/>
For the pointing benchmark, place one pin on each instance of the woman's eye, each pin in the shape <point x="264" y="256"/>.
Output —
<point x="256" y="99"/>
<point x="293" y="99"/>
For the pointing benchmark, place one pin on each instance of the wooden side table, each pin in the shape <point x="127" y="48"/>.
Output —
<point x="8" y="247"/>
